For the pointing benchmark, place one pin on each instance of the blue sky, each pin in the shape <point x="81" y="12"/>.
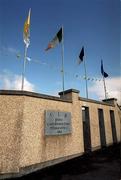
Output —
<point x="93" y="24"/>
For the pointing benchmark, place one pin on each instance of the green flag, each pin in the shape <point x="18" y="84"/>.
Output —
<point x="57" y="39"/>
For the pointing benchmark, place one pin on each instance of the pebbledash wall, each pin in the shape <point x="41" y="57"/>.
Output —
<point x="25" y="148"/>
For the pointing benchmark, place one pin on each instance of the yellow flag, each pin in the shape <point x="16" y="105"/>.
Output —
<point x="26" y="33"/>
<point x="28" y="19"/>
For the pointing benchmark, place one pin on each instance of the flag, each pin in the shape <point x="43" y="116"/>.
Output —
<point x="57" y="39"/>
<point x="102" y="70"/>
<point x="81" y="55"/>
<point x="26" y="32"/>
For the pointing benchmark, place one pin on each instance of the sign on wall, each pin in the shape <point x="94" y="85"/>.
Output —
<point x="57" y="123"/>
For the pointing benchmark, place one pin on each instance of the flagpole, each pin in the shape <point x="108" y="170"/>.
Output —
<point x="104" y="76"/>
<point x="62" y="53"/>
<point x="24" y="67"/>
<point x="26" y="35"/>
<point x="104" y="87"/>
<point x="86" y="79"/>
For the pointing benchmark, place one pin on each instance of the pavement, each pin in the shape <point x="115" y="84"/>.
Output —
<point x="99" y="165"/>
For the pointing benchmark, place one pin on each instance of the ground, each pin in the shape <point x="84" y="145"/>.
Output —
<point x="99" y="165"/>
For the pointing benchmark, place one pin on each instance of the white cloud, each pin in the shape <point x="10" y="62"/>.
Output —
<point x="8" y="50"/>
<point x="9" y="81"/>
<point x="113" y="86"/>
<point x="12" y="50"/>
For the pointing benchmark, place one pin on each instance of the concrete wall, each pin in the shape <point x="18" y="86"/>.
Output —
<point x="11" y="117"/>
<point x="117" y="114"/>
<point x="22" y="139"/>
<point x="35" y="146"/>
<point x="94" y="122"/>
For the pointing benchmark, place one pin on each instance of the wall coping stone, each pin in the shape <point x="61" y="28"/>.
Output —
<point x="95" y="101"/>
<point x="55" y="98"/>
<point x="110" y="99"/>
<point x="69" y="91"/>
<point x="33" y="94"/>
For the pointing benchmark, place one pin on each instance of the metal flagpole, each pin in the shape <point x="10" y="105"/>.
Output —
<point x="104" y="87"/>
<point x="26" y="35"/>
<point x="104" y="75"/>
<point x="86" y="79"/>
<point x="62" y="52"/>
<point x="24" y="67"/>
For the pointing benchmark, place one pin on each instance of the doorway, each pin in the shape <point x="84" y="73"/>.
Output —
<point x="102" y="128"/>
<point x="86" y="129"/>
<point x="113" y="126"/>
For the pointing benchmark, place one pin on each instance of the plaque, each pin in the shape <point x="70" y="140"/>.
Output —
<point x="57" y="123"/>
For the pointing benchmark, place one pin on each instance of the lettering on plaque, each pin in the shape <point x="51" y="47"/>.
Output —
<point x="57" y="123"/>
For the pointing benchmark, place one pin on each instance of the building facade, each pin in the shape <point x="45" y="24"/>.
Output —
<point x="38" y="130"/>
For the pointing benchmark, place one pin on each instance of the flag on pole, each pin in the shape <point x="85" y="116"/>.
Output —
<point x="26" y="32"/>
<point x="57" y="39"/>
<point x="81" y="55"/>
<point x="102" y="70"/>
